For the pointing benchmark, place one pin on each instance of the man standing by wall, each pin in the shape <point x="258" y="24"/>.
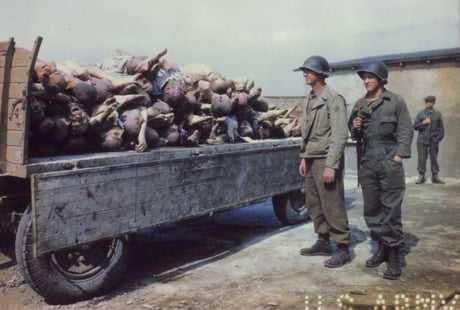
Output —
<point x="324" y="133"/>
<point x="382" y="121"/>
<point x="429" y="125"/>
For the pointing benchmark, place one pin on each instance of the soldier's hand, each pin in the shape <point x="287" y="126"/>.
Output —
<point x="303" y="167"/>
<point x="328" y="175"/>
<point x="357" y="122"/>
<point x="427" y="121"/>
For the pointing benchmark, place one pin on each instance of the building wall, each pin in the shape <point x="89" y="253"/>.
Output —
<point x="414" y="83"/>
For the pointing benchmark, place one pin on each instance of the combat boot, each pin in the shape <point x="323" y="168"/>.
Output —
<point x="379" y="257"/>
<point x="339" y="258"/>
<point x="322" y="247"/>
<point x="393" y="271"/>
<point x="436" y="180"/>
<point x="421" y="179"/>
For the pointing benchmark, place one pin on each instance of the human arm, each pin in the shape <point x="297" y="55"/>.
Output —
<point x="339" y="132"/>
<point x="404" y="131"/>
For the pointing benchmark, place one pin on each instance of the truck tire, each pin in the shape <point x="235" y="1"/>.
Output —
<point x="70" y="275"/>
<point x="290" y="208"/>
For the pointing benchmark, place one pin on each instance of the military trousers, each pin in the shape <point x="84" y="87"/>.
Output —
<point x="383" y="186"/>
<point x="423" y="151"/>
<point x="326" y="202"/>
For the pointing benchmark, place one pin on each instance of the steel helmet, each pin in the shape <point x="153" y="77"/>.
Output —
<point x="317" y="64"/>
<point x="377" y="68"/>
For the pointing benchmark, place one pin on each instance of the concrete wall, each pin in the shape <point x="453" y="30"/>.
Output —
<point x="414" y="83"/>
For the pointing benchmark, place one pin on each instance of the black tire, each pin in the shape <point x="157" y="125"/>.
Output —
<point x="48" y="277"/>
<point x="290" y="208"/>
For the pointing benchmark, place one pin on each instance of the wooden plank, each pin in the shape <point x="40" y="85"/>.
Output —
<point x="28" y="91"/>
<point x="14" y="154"/>
<point x="104" y="224"/>
<point x="69" y="206"/>
<point x="120" y="196"/>
<point x="2" y="61"/>
<point x="57" y="163"/>
<point x="2" y="157"/>
<point x="15" y="116"/>
<point x="90" y="177"/>
<point x="21" y="70"/>
<point x="7" y="56"/>
<point x="15" y="138"/>
<point x="19" y="75"/>
<point x="22" y="57"/>
<point x="17" y="90"/>
<point x="4" y="44"/>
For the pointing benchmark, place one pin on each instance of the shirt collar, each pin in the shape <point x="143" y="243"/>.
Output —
<point x="324" y="94"/>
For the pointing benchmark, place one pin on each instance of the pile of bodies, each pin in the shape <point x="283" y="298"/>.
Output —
<point x="136" y="103"/>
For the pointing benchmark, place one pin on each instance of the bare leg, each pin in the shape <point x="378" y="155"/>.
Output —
<point x="142" y="145"/>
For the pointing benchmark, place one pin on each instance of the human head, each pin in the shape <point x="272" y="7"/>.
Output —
<point x="79" y="120"/>
<point x="54" y="83"/>
<point x="85" y="93"/>
<point x="132" y="121"/>
<point x="43" y="68"/>
<point x="112" y="139"/>
<point x="430" y="101"/>
<point x="37" y="109"/>
<point x="174" y="92"/>
<point x="374" y="75"/>
<point x="314" y="68"/>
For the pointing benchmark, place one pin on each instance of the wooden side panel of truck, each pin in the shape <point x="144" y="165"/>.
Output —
<point x="83" y="205"/>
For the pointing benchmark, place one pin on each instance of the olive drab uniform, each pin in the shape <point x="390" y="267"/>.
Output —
<point x="386" y="132"/>
<point x="429" y="136"/>
<point x="324" y="133"/>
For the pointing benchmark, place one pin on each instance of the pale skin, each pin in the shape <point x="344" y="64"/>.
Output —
<point x="374" y="88"/>
<point x="141" y="139"/>
<point x="316" y="83"/>
<point x="146" y="115"/>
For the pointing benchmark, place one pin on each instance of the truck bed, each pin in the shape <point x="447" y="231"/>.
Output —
<point x="90" y="160"/>
<point x="84" y="198"/>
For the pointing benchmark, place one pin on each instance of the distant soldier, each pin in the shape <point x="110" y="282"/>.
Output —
<point x="324" y="133"/>
<point x="382" y="122"/>
<point x="429" y="125"/>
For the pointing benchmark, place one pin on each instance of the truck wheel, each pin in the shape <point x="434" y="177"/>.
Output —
<point x="290" y="208"/>
<point x="69" y="275"/>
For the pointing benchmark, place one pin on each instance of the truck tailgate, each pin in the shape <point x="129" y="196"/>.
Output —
<point x="83" y="205"/>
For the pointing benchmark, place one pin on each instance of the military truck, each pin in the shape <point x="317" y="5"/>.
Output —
<point x="73" y="215"/>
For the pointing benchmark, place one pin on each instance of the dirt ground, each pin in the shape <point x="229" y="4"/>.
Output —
<point x="244" y="259"/>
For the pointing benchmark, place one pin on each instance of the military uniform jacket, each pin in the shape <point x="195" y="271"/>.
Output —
<point x="324" y="127"/>
<point x="388" y="130"/>
<point x="429" y="133"/>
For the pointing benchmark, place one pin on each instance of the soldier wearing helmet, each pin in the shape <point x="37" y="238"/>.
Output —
<point x="382" y="121"/>
<point x="324" y="133"/>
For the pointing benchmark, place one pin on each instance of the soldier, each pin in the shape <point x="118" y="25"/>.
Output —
<point x="430" y="129"/>
<point x="324" y="133"/>
<point x="381" y="119"/>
